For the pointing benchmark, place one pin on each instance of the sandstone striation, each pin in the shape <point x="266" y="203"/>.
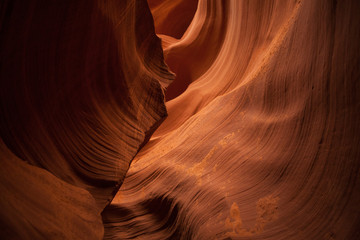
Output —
<point x="262" y="138"/>
<point x="80" y="94"/>
<point x="263" y="142"/>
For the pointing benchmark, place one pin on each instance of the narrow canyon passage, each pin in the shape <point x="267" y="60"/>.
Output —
<point x="180" y="119"/>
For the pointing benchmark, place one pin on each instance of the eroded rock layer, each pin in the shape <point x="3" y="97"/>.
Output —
<point x="37" y="205"/>
<point x="80" y="94"/>
<point x="264" y="141"/>
<point x="80" y="87"/>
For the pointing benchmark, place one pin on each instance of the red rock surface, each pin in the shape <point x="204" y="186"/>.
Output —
<point x="264" y="141"/>
<point x="262" y="138"/>
<point x="37" y="205"/>
<point x="80" y="94"/>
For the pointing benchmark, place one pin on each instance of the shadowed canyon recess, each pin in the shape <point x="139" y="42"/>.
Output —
<point x="181" y="119"/>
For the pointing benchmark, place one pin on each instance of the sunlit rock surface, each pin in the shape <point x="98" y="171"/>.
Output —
<point x="262" y="138"/>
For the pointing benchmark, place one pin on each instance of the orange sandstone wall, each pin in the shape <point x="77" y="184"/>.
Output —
<point x="262" y="141"/>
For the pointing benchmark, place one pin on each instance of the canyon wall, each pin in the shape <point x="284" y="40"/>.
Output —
<point x="80" y="94"/>
<point x="262" y="137"/>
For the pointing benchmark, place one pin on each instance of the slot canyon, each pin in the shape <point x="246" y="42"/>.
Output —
<point x="180" y="119"/>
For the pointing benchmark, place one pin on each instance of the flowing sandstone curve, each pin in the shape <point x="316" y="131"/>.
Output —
<point x="37" y="205"/>
<point x="80" y="93"/>
<point x="80" y="88"/>
<point x="264" y="144"/>
<point x="201" y="43"/>
<point x="172" y="17"/>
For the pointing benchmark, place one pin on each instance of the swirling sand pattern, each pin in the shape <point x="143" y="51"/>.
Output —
<point x="264" y="144"/>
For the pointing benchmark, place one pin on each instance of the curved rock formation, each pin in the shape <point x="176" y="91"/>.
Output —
<point x="172" y="18"/>
<point x="262" y="138"/>
<point x="37" y="205"/>
<point x="264" y="142"/>
<point x="80" y="94"/>
<point x="200" y="43"/>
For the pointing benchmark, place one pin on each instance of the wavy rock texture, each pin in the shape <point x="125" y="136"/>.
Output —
<point x="172" y="17"/>
<point x="80" y="94"/>
<point x="262" y="138"/>
<point x="37" y="205"/>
